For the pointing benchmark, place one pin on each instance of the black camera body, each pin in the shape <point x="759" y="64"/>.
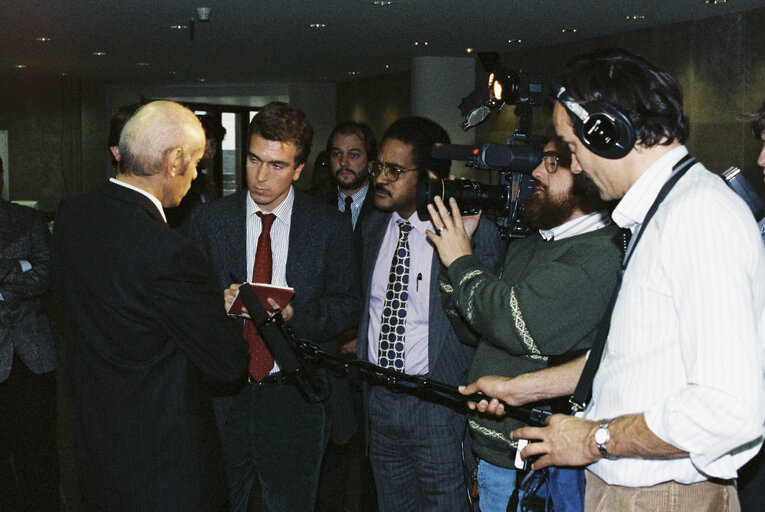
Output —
<point x="506" y="201"/>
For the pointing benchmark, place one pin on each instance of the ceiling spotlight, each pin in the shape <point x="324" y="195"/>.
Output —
<point x="44" y="39"/>
<point x="514" y="41"/>
<point x="143" y="64"/>
<point x="317" y="25"/>
<point x="381" y="3"/>
<point x="353" y="73"/>
<point x="568" y="30"/>
<point x="715" y="1"/>
<point x="19" y="66"/>
<point x="203" y="13"/>
<point x="172" y="72"/>
<point x="421" y="43"/>
<point x="201" y="79"/>
<point x="99" y="54"/>
<point x="387" y="66"/>
<point x="469" y="50"/>
<point x="634" y="17"/>
<point x="179" y="27"/>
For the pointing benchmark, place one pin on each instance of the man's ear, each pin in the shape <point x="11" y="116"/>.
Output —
<point x="297" y="171"/>
<point x="173" y="162"/>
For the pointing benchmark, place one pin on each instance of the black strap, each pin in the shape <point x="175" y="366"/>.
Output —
<point x="583" y="390"/>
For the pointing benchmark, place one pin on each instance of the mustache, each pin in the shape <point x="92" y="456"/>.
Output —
<point x="382" y="190"/>
<point x="346" y="169"/>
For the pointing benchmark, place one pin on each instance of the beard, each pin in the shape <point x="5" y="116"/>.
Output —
<point x="358" y="181"/>
<point x="546" y="211"/>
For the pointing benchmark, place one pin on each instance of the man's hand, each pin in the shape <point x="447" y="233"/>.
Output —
<point x="566" y="441"/>
<point x="287" y="313"/>
<point x="348" y="347"/>
<point x="453" y="233"/>
<point x="229" y="295"/>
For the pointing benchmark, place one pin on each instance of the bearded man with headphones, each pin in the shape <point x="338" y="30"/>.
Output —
<point x="678" y="399"/>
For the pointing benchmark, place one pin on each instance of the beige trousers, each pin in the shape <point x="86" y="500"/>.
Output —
<point x="666" y="497"/>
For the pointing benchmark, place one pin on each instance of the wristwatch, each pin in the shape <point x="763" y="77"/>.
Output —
<point x="602" y="437"/>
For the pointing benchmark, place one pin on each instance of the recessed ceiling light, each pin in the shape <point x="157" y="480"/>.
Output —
<point x="381" y="3"/>
<point x="715" y="1"/>
<point x="421" y="43"/>
<point x="99" y="54"/>
<point x="172" y="72"/>
<point x="469" y="50"/>
<point x="568" y="30"/>
<point x="514" y="41"/>
<point x="143" y="64"/>
<point x="634" y="17"/>
<point x="387" y="66"/>
<point x="64" y="73"/>
<point x="44" y="39"/>
<point x="201" y="79"/>
<point x="19" y="66"/>
<point x="179" y="27"/>
<point x="318" y="25"/>
<point x="353" y="73"/>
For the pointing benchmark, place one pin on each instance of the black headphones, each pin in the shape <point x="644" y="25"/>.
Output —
<point x="602" y="128"/>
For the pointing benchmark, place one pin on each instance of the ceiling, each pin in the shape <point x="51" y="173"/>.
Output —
<point x="269" y="41"/>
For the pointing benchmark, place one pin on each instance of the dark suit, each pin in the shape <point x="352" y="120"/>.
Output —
<point x="147" y="328"/>
<point x="367" y="206"/>
<point x="398" y="416"/>
<point x="320" y="268"/>
<point x="27" y="364"/>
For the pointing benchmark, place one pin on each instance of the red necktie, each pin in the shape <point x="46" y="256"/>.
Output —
<point x="261" y="360"/>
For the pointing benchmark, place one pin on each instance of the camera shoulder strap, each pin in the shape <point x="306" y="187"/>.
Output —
<point x="583" y="390"/>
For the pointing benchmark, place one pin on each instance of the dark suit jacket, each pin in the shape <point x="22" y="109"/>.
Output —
<point x="448" y="359"/>
<point x="367" y="206"/>
<point x="24" y="328"/>
<point x="146" y="327"/>
<point x="320" y="263"/>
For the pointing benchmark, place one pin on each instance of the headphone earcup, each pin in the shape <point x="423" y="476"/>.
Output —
<point x="606" y="131"/>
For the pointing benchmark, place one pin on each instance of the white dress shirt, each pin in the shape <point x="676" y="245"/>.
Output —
<point x="358" y="200"/>
<point x="418" y="301"/>
<point x="687" y="340"/>
<point x="280" y="240"/>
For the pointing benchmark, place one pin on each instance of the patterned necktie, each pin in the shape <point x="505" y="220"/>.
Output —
<point x="390" y="351"/>
<point x="261" y="360"/>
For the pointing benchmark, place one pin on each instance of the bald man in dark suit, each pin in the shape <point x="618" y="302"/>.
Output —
<point x="146" y="329"/>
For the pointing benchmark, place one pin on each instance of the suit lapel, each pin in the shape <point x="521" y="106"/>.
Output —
<point x="232" y="236"/>
<point x="437" y="321"/>
<point x="374" y="232"/>
<point x="299" y="258"/>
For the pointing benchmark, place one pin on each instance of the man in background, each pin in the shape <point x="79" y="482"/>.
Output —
<point x="27" y="364"/>
<point x="146" y="328"/>
<point x="542" y="309"/>
<point x="416" y="446"/>
<point x="274" y="233"/>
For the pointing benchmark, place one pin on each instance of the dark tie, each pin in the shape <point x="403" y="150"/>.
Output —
<point x="390" y="351"/>
<point x="348" y="212"/>
<point x="261" y="360"/>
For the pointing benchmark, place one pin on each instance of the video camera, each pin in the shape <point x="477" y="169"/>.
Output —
<point x="513" y="161"/>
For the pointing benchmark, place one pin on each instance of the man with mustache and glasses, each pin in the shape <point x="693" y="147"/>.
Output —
<point x="415" y="445"/>
<point x="542" y="307"/>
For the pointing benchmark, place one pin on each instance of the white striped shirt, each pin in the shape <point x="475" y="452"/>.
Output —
<point x="687" y="339"/>
<point x="280" y="239"/>
<point x="358" y="201"/>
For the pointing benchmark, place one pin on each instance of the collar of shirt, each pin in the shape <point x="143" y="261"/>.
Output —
<point x="283" y="212"/>
<point x="634" y="206"/>
<point x="358" y="197"/>
<point x="417" y="223"/>
<point x="578" y="226"/>
<point x="141" y="191"/>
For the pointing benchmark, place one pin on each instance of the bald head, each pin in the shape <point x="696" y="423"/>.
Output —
<point x="156" y="130"/>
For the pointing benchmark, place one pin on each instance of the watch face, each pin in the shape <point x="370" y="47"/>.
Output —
<point x="601" y="436"/>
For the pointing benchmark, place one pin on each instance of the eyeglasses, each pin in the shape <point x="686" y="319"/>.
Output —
<point x="392" y="171"/>
<point x="552" y="160"/>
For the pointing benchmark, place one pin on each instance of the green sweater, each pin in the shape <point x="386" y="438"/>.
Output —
<point x="548" y="301"/>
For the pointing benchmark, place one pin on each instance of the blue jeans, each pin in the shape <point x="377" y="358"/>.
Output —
<point x="495" y="486"/>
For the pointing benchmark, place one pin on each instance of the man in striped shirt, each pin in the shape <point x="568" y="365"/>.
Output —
<point x="677" y="401"/>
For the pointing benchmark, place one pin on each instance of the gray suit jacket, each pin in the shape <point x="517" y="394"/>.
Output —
<point x="448" y="358"/>
<point x="320" y="264"/>
<point x="24" y="328"/>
